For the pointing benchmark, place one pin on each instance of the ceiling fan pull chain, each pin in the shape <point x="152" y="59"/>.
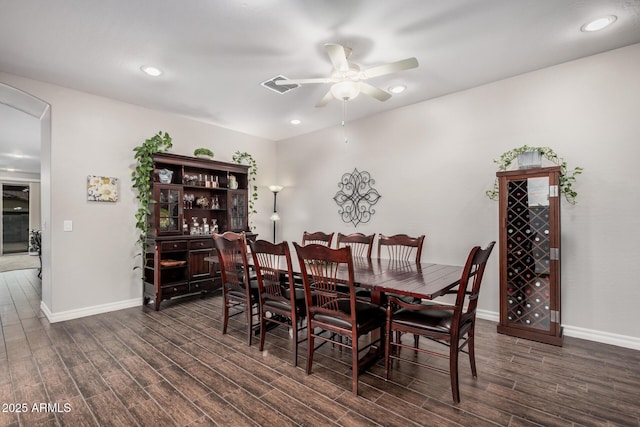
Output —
<point x="344" y="119"/>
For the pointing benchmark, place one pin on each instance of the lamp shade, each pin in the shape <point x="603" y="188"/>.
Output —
<point x="276" y="188"/>
<point x="345" y="90"/>
<point x="274" y="217"/>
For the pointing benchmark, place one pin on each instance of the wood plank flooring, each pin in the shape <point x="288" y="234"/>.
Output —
<point x="174" y="367"/>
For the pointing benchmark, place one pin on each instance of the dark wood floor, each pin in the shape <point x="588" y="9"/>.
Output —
<point x="174" y="367"/>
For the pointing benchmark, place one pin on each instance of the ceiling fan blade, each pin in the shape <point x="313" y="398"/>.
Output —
<point x="375" y="92"/>
<point x="327" y="98"/>
<point x="338" y="57"/>
<point x="392" y="67"/>
<point x="305" y="81"/>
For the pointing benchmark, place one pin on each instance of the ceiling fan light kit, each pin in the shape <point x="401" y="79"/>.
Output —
<point x="348" y="80"/>
<point x="345" y="90"/>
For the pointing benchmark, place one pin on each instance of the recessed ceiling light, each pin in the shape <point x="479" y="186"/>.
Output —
<point x="397" y="89"/>
<point x="598" y="24"/>
<point x="151" y="70"/>
<point x="295" y="121"/>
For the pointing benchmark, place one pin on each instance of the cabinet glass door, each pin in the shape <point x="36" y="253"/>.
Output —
<point x="169" y="211"/>
<point x="238" y="210"/>
<point x="528" y="253"/>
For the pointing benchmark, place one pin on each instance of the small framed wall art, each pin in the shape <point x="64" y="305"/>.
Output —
<point x="102" y="188"/>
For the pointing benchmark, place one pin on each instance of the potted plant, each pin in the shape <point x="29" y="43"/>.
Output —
<point x="141" y="178"/>
<point x="239" y="157"/>
<point x="567" y="177"/>
<point x="203" y="152"/>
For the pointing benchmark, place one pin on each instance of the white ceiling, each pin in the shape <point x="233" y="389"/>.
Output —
<point x="215" y="53"/>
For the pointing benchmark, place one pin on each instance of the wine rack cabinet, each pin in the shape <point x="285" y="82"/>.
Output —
<point x="530" y="254"/>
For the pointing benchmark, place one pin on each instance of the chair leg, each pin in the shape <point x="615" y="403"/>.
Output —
<point x="225" y="321"/>
<point x="310" y="345"/>
<point x="472" y="353"/>
<point x="249" y="322"/>
<point x="387" y="351"/>
<point x="416" y="341"/>
<point x="263" y="331"/>
<point x="453" y="371"/>
<point x="354" y="364"/>
<point x="294" y="332"/>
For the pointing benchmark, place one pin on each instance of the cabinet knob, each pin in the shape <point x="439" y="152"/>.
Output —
<point x="175" y="289"/>
<point x="175" y="245"/>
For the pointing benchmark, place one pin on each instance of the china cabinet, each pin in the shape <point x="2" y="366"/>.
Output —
<point x="529" y="206"/>
<point x="198" y="198"/>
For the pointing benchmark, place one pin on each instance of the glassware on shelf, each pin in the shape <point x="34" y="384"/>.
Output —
<point x="188" y="179"/>
<point x="205" y="226"/>
<point x="215" y="204"/>
<point x="185" y="226"/>
<point x="214" y="225"/>
<point x="195" y="227"/>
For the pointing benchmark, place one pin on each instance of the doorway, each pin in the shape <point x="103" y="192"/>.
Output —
<point x="40" y="201"/>
<point x="15" y="218"/>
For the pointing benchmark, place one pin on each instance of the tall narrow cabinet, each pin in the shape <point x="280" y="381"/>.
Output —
<point x="530" y="254"/>
<point x="190" y="191"/>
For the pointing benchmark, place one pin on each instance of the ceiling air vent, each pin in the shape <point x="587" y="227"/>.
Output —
<point x="271" y="84"/>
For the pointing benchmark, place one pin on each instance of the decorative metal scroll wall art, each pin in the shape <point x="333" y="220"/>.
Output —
<point x="356" y="197"/>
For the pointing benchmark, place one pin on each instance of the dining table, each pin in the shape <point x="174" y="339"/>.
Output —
<point x="382" y="276"/>
<point x="418" y="280"/>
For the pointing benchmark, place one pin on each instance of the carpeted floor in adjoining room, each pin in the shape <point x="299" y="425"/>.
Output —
<point x="18" y="262"/>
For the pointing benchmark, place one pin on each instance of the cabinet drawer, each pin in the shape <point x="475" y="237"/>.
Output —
<point x="201" y="285"/>
<point x="173" y="246"/>
<point x="201" y="244"/>
<point x="172" y="290"/>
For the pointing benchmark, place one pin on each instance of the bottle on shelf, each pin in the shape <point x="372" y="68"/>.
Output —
<point x="194" y="226"/>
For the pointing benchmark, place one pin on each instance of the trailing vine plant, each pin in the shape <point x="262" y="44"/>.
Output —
<point x="141" y="179"/>
<point x="239" y="157"/>
<point x="567" y="177"/>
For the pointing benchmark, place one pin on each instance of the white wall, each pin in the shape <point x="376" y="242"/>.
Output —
<point x="433" y="161"/>
<point x="91" y="268"/>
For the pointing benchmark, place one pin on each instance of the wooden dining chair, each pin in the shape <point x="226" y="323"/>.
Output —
<point x="331" y="314"/>
<point x="450" y="325"/>
<point x="240" y="294"/>
<point x="361" y="245"/>
<point x="317" y="238"/>
<point x="281" y="302"/>
<point x="401" y="247"/>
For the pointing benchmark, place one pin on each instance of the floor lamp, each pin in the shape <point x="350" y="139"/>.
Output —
<point x="275" y="217"/>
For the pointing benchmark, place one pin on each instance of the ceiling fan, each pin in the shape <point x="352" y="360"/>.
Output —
<point x="348" y="79"/>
